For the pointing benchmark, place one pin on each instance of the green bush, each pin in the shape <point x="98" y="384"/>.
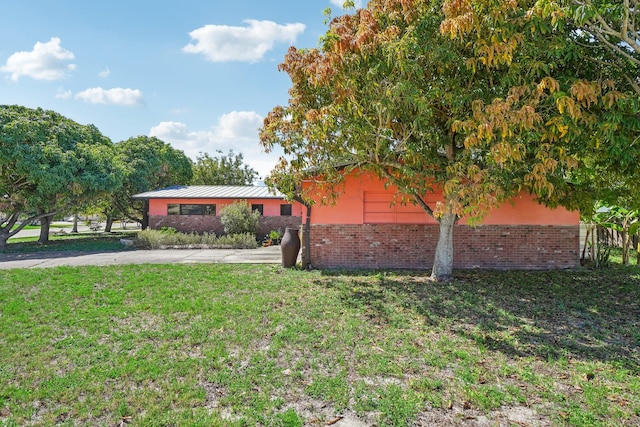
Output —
<point x="238" y="241"/>
<point x="158" y="239"/>
<point x="237" y="218"/>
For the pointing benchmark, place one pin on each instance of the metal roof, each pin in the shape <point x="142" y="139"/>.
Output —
<point x="211" y="192"/>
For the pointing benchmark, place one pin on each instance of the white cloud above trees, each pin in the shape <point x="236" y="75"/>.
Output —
<point x="237" y="131"/>
<point x="47" y="61"/>
<point x="63" y="93"/>
<point x="116" y="96"/>
<point x="222" y="43"/>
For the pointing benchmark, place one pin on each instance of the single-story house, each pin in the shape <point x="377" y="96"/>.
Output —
<point x="364" y="229"/>
<point x="197" y="208"/>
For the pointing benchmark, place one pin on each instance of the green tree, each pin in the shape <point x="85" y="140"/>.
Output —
<point x="593" y="114"/>
<point x="48" y="164"/>
<point x="237" y="218"/>
<point x="150" y="164"/>
<point x="453" y="96"/>
<point x="612" y="24"/>
<point x="224" y="169"/>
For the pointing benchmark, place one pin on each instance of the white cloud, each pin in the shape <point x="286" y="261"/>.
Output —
<point x="63" y="94"/>
<point x="220" y="43"/>
<point x="116" y="96"/>
<point x="104" y="73"/>
<point x="340" y="3"/>
<point x="237" y="131"/>
<point x="47" y="61"/>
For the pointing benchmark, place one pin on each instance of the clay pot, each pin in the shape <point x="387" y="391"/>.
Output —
<point x="290" y="247"/>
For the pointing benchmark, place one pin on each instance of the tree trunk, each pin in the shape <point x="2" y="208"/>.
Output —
<point x="108" y="224"/>
<point x="626" y="248"/>
<point x="443" y="261"/>
<point x="45" y="223"/>
<point x="75" y="224"/>
<point x="4" y="236"/>
<point x="145" y="214"/>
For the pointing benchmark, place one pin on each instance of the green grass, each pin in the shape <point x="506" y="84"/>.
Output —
<point x="52" y="226"/>
<point x="84" y="242"/>
<point x="244" y="345"/>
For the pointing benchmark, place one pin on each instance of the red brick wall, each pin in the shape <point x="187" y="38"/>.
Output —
<point x="413" y="246"/>
<point x="212" y="224"/>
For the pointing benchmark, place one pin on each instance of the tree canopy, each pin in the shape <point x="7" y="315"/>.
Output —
<point x="150" y="164"/>
<point x="479" y="100"/>
<point x="222" y="169"/>
<point x="613" y="25"/>
<point x="49" y="163"/>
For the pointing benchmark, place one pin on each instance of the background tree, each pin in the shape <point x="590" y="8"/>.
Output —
<point x="432" y="95"/>
<point x="48" y="164"/>
<point x="150" y="164"/>
<point x="614" y="25"/>
<point x="224" y="169"/>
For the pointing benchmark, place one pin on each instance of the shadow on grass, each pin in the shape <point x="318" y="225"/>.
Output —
<point x="591" y="315"/>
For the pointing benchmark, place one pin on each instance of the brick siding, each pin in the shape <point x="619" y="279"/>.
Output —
<point x="212" y="224"/>
<point x="375" y="246"/>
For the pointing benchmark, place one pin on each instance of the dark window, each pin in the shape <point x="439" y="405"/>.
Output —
<point x="191" y="209"/>
<point x="259" y="208"/>
<point x="285" y="210"/>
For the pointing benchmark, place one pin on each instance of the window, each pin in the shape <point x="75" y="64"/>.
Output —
<point x="259" y="208"/>
<point x="191" y="209"/>
<point x="285" y="210"/>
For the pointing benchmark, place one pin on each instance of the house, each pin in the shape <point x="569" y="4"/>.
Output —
<point x="365" y="229"/>
<point x="197" y="208"/>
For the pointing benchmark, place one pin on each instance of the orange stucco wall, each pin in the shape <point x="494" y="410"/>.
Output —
<point x="365" y="189"/>
<point x="271" y="207"/>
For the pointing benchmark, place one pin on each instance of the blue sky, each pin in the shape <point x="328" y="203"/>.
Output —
<point x="198" y="74"/>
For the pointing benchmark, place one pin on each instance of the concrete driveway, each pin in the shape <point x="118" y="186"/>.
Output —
<point x="268" y="255"/>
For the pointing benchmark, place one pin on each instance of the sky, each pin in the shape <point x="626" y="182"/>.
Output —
<point x="199" y="74"/>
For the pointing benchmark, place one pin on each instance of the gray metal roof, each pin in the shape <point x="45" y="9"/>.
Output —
<point x="211" y="192"/>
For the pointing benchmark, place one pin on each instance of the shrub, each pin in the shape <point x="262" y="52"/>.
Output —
<point x="238" y="241"/>
<point x="156" y="239"/>
<point x="237" y="218"/>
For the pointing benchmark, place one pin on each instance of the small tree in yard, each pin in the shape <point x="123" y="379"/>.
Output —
<point x="237" y="218"/>
<point x="479" y="100"/>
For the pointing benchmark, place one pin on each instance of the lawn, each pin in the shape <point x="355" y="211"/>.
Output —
<point x="85" y="242"/>
<point x="243" y="345"/>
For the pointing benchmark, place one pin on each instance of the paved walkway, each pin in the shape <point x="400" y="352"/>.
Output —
<point x="268" y="255"/>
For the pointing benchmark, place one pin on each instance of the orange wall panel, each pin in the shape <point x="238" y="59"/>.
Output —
<point x="366" y="201"/>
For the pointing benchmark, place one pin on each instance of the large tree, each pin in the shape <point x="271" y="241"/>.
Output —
<point x="48" y="164"/>
<point x="150" y="164"/>
<point x="593" y="113"/>
<point x="223" y="169"/>
<point x="454" y="96"/>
